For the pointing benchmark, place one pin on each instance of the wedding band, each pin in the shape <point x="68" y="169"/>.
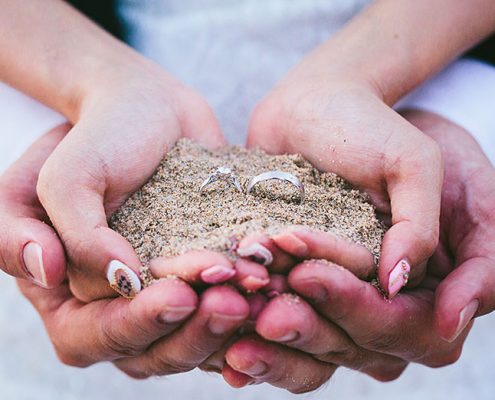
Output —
<point x="280" y="175"/>
<point x="224" y="174"/>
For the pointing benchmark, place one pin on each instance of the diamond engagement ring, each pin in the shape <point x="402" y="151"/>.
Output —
<point x="280" y="175"/>
<point x="225" y="174"/>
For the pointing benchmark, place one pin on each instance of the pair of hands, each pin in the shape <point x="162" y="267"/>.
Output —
<point x="111" y="151"/>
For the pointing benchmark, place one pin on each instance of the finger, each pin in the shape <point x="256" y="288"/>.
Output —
<point x="278" y="285"/>
<point x="220" y="314"/>
<point x="262" y="249"/>
<point x="30" y="249"/>
<point x="414" y="186"/>
<point x="467" y="292"/>
<point x="291" y="321"/>
<point x="84" y="334"/>
<point x="195" y="267"/>
<point x="402" y="327"/>
<point x="250" y="275"/>
<point x="304" y="243"/>
<point x="277" y="365"/>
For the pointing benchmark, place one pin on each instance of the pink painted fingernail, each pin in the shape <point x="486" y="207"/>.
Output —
<point x="122" y="279"/>
<point x="293" y="244"/>
<point x="175" y="314"/>
<point x="465" y="316"/>
<point x="254" y="283"/>
<point x="398" y="277"/>
<point x="259" y="252"/>
<point x="217" y="274"/>
<point x="32" y="255"/>
<point x="220" y="324"/>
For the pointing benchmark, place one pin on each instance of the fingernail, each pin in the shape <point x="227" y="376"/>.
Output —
<point x="122" y="279"/>
<point x="253" y="283"/>
<point x="313" y="289"/>
<point x="217" y="274"/>
<point x="398" y="277"/>
<point x="175" y="314"/>
<point x="288" y="337"/>
<point x="220" y="324"/>
<point x="259" y="252"/>
<point x="257" y="369"/>
<point x="297" y="247"/>
<point x="465" y="316"/>
<point x="273" y="293"/>
<point x="32" y="255"/>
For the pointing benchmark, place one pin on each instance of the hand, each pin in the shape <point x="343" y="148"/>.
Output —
<point x="465" y="258"/>
<point x="125" y="127"/>
<point x="355" y="324"/>
<point x="165" y="329"/>
<point x="343" y="126"/>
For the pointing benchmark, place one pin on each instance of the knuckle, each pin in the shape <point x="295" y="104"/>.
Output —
<point x="389" y="374"/>
<point x="71" y="359"/>
<point x="342" y="356"/>
<point x="117" y="345"/>
<point x="134" y="373"/>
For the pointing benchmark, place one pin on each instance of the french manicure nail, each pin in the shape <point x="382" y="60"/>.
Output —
<point x="220" y="324"/>
<point x="465" y="316"/>
<point x="32" y="255"/>
<point x="175" y="314"/>
<point x="257" y="369"/>
<point x="398" y="277"/>
<point x="259" y="252"/>
<point x="122" y="279"/>
<point x="297" y="247"/>
<point x="217" y="274"/>
<point x="288" y="337"/>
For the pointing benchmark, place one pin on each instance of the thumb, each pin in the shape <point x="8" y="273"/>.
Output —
<point x="465" y="293"/>
<point x="415" y="198"/>
<point x="100" y="259"/>
<point x="29" y="248"/>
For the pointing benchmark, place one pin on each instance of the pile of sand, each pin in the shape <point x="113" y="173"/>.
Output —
<point x="169" y="216"/>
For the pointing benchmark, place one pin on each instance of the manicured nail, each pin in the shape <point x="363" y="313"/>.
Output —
<point x="398" y="277"/>
<point x="465" y="316"/>
<point x="175" y="314"/>
<point x="293" y="244"/>
<point x="217" y="274"/>
<point x="32" y="255"/>
<point x="288" y="337"/>
<point x="259" y="252"/>
<point x="220" y="324"/>
<point x="257" y="369"/>
<point x="253" y="283"/>
<point x="122" y="279"/>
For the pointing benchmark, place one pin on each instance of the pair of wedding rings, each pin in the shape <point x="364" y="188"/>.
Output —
<point x="225" y="174"/>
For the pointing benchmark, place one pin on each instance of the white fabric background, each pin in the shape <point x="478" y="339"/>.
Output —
<point x="232" y="51"/>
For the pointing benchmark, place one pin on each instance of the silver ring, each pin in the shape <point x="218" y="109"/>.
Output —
<point x="224" y="174"/>
<point x="280" y="175"/>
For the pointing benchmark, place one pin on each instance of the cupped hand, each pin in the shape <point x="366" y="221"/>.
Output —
<point x="465" y="258"/>
<point x="353" y="325"/>
<point x="342" y="125"/>
<point x="166" y="329"/>
<point x="125" y="127"/>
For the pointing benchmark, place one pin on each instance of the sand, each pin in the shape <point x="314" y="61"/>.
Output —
<point x="169" y="216"/>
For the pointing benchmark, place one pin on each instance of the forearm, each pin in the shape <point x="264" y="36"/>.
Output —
<point x="395" y="45"/>
<point x="56" y="55"/>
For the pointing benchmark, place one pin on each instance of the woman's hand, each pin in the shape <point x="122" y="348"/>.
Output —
<point x="125" y="128"/>
<point x="343" y="126"/>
